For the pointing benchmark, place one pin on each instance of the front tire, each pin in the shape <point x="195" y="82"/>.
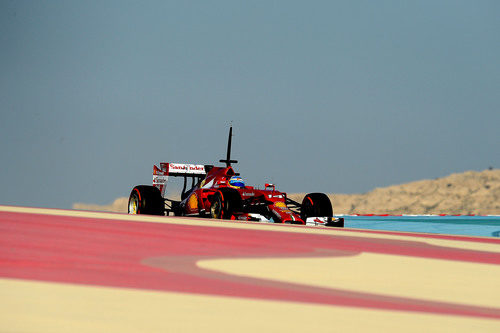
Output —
<point x="146" y="199"/>
<point x="216" y="208"/>
<point x="316" y="205"/>
<point x="225" y="204"/>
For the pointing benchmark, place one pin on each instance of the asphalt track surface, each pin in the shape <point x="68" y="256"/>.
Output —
<point x="71" y="271"/>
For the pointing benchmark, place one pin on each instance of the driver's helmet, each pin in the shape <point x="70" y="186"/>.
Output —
<point x="236" y="181"/>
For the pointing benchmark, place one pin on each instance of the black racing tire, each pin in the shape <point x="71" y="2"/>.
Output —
<point x="224" y="203"/>
<point x="176" y="208"/>
<point x="315" y="205"/>
<point x="216" y="206"/>
<point x="145" y="199"/>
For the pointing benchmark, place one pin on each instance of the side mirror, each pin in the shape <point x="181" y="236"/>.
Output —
<point x="270" y="186"/>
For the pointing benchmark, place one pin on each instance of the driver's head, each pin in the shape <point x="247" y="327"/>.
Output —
<point x="236" y="182"/>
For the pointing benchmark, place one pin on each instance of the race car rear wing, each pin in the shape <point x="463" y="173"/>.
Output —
<point x="194" y="171"/>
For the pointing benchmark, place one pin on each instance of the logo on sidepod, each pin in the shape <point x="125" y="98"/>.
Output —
<point x="193" y="202"/>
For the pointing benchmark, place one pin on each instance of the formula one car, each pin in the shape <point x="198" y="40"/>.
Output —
<point x="219" y="193"/>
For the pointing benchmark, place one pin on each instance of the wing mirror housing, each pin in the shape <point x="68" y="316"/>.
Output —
<point x="270" y="186"/>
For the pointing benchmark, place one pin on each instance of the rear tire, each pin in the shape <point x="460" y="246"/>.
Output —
<point x="146" y="199"/>
<point x="315" y="205"/>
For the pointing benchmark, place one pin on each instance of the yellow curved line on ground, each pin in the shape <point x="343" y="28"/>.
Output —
<point x="466" y="245"/>
<point x="389" y="275"/>
<point x="27" y="306"/>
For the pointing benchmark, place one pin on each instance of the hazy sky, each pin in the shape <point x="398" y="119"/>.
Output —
<point x="330" y="96"/>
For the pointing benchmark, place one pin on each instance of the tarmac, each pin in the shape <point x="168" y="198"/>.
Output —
<point x="76" y="271"/>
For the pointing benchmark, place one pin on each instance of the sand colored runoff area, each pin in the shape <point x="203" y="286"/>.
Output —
<point x="32" y="306"/>
<point x="82" y="271"/>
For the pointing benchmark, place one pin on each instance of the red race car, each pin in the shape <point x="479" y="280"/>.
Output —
<point x="219" y="193"/>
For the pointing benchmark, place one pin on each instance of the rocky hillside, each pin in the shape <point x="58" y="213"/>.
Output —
<point x="470" y="192"/>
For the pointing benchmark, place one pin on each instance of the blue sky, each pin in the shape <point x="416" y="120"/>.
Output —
<point x="330" y="96"/>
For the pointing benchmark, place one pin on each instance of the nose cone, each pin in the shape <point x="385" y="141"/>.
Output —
<point x="284" y="214"/>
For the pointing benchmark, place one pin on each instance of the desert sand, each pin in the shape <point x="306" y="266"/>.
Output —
<point x="470" y="192"/>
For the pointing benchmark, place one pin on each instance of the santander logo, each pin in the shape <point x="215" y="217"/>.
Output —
<point x="187" y="168"/>
<point x="196" y="168"/>
<point x="178" y="167"/>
